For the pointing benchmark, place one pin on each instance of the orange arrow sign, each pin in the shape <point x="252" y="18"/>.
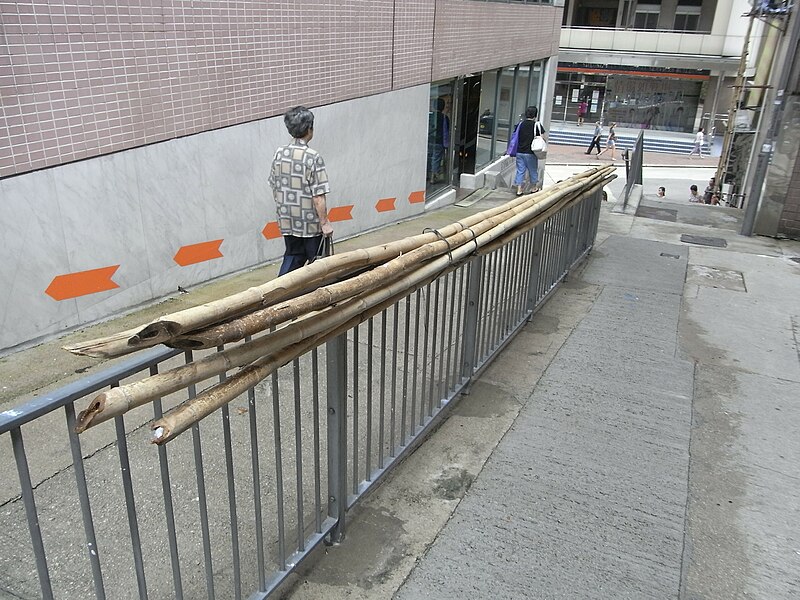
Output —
<point x="416" y="197"/>
<point x="73" y="285"/>
<point x="385" y="204"/>
<point x="195" y="253"/>
<point x="271" y="230"/>
<point x="340" y="213"/>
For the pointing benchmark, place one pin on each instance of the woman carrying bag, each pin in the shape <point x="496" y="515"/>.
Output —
<point x="528" y="145"/>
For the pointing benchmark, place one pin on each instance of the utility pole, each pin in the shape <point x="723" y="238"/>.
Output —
<point x="776" y="119"/>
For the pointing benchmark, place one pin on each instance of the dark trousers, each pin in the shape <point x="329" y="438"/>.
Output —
<point x="299" y="251"/>
<point x="595" y="143"/>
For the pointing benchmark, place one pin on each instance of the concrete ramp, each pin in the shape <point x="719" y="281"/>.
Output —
<point x="585" y="497"/>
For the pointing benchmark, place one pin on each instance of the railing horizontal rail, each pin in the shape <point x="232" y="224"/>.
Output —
<point x="230" y="509"/>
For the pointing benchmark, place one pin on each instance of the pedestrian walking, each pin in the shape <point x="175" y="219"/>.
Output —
<point x="527" y="162"/>
<point x="611" y="142"/>
<point x="583" y="107"/>
<point x="699" y="140"/>
<point x="598" y="135"/>
<point x="300" y="186"/>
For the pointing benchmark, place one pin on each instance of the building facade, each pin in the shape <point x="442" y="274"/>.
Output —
<point x="136" y="135"/>
<point x="651" y="64"/>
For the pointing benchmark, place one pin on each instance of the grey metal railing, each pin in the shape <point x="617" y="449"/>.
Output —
<point x="230" y="510"/>
<point x="634" y="159"/>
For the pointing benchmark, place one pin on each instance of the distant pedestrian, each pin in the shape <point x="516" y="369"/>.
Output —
<point x="693" y="195"/>
<point x="662" y="192"/>
<point x="583" y="107"/>
<point x="710" y="190"/>
<point x="611" y="142"/>
<point x="598" y="135"/>
<point x="699" y="140"/>
<point x="300" y="185"/>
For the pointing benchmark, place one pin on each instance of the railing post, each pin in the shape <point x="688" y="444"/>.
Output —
<point x="336" y="365"/>
<point x="471" y="316"/>
<point x="572" y="235"/>
<point x="536" y="269"/>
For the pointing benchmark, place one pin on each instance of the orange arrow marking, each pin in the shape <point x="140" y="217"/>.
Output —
<point x="73" y="285"/>
<point x="195" y="253"/>
<point x="271" y="230"/>
<point x="340" y="213"/>
<point x="385" y="204"/>
<point x="416" y="197"/>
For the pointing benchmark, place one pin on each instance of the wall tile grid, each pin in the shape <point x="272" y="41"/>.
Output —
<point x="413" y="42"/>
<point x="80" y="78"/>
<point x="476" y="36"/>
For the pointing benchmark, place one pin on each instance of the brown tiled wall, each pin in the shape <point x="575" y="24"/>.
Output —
<point x="476" y="36"/>
<point x="79" y="78"/>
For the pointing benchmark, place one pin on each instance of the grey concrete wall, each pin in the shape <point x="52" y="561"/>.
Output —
<point x="137" y="208"/>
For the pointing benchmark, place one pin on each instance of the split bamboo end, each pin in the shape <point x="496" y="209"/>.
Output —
<point x="89" y="417"/>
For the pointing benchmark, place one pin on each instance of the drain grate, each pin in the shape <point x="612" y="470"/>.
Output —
<point x="662" y="214"/>
<point x="796" y="259"/>
<point x="667" y="255"/>
<point x="704" y="241"/>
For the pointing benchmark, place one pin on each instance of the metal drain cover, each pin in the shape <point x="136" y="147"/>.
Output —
<point x="662" y="214"/>
<point x="796" y="259"/>
<point x="702" y="240"/>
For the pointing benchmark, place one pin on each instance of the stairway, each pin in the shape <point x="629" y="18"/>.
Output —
<point x="652" y="143"/>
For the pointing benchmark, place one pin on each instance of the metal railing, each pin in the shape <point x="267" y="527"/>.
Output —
<point x="634" y="160"/>
<point x="229" y="510"/>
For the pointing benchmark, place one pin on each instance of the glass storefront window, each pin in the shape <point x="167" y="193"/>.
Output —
<point x="439" y="171"/>
<point x="486" y="122"/>
<point x="505" y="121"/>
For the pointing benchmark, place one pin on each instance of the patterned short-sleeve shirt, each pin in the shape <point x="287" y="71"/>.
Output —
<point x="297" y="175"/>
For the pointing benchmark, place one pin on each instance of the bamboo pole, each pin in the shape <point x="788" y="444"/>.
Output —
<point x="184" y="415"/>
<point x="263" y="319"/>
<point x="374" y="289"/>
<point x="282" y="288"/>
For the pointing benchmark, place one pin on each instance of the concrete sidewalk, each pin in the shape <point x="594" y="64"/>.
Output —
<point x="639" y="438"/>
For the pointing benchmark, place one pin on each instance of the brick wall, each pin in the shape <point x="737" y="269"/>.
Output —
<point x="81" y="78"/>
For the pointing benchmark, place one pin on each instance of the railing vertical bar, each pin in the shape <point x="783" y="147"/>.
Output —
<point x="31" y="513"/>
<point x="406" y="340"/>
<point x="317" y="459"/>
<point x="130" y="505"/>
<point x="497" y="307"/>
<point x="382" y="393"/>
<point x="356" y="445"/>
<point x="459" y="348"/>
<point x="413" y="428"/>
<point x="336" y="370"/>
<point x="393" y="409"/>
<point x="432" y="356"/>
<point x="473" y="300"/>
<point x="424" y="378"/>
<point x="169" y="510"/>
<point x="535" y="272"/>
<point x="226" y="436"/>
<point x="441" y="388"/>
<point x="519" y="289"/>
<point x="525" y="267"/>
<point x="493" y="304"/>
<point x="83" y="498"/>
<point x="505" y="290"/>
<point x="276" y="427"/>
<point x="369" y="384"/>
<point x="450" y="334"/>
<point x="483" y="312"/>
<point x="298" y="453"/>
<point x="257" y="510"/>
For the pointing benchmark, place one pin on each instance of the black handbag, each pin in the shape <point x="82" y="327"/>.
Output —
<point x="325" y="247"/>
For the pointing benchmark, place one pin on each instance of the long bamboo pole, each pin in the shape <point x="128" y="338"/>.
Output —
<point x="185" y="414"/>
<point x="277" y="290"/>
<point x="263" y="319"/>
<point x="121" y="399"/>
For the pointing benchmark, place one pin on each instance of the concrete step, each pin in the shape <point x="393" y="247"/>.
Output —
<point x="651" y="143"/>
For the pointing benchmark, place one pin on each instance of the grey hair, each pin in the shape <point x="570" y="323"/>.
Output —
<point x="298" y="121"/>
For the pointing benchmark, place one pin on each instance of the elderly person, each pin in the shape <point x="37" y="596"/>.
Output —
<point x="299" y="184"/>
